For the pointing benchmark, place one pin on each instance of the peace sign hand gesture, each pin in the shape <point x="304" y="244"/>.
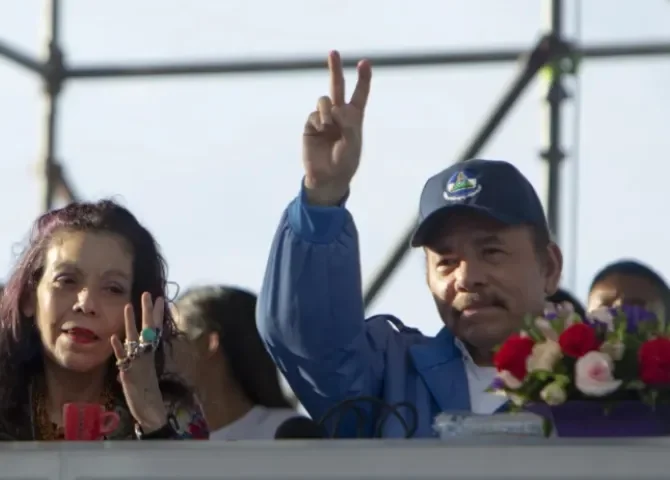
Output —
<point x="135" y="358"/>
<point x="333" y="137"/>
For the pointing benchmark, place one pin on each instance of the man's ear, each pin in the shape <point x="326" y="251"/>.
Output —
<point x="553" y="268"/>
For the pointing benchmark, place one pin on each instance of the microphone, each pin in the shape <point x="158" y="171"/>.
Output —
<point x="299" y="428"/>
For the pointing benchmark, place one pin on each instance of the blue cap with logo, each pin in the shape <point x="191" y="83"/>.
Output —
<point x="494" y="188"/>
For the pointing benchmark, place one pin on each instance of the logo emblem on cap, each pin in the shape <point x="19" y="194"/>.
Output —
<point x="461" y="186"/>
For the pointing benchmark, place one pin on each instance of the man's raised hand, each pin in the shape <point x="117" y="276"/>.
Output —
<point x="333" y="136"/>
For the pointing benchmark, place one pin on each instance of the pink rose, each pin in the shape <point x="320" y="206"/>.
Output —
<point x="594" y="374"/>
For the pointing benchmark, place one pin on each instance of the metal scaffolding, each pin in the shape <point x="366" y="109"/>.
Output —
<point x="553" y="53"/>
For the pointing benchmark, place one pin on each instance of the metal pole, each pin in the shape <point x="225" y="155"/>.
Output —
<point x="553" y="153"/>
<point x="404" y="60"/>
<point x="20" y="58"/>
<point x="407" y="60"/>
<point x="53" y="77"/>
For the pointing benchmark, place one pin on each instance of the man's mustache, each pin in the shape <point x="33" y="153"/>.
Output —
<point x="475" y="300"/>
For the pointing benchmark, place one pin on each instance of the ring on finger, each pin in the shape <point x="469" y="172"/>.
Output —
<point x="123" y="364"/>
<point x="150" y="335"/>
<point x="131" y="347"/>
<point x="146" y="348"/>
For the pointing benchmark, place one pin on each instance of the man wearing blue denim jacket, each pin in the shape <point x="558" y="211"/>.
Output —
<point x="489" y="262"/>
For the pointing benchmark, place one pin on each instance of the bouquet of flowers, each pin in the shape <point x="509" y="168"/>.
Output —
<point x="611" y="355"/>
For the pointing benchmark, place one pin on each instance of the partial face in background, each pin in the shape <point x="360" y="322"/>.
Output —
<point x="486" y="276"/>
<point x="618" y="289"/>
<point x="188" y="354"/>
<point x="79" y="301"/>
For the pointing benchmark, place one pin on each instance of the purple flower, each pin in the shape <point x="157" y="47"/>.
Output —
<point x="636" y="316"/>
<point x="601" y="318"/>
<point x="497" y="384"/>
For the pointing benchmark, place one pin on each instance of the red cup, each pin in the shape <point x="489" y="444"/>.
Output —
<point x="88" y="421"/>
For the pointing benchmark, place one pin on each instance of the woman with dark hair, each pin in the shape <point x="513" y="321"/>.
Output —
<point x="234" y="377"/>
<point x="90" y="278"/>
<point x="630" y="282"/>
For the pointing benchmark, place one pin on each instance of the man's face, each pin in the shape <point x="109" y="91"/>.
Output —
<point x="618" y="289"/>
<point x="485" y="277"/>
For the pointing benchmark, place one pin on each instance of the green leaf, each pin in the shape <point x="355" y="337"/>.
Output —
<point x="538" y="337"/>
<point x="620" y="325"/>
<point x="635" y="385"/>
<point x="547" y="427"/>
<point x="542" y="375"/>
<point x="528" y="322"/>
<point x="561" y="369"/>
<point x="660" y="320"/>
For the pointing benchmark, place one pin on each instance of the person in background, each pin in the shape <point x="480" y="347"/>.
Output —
<point x="630" y="282"/>
<point x="490" y="261"/>
<point x="91" y="277"/>
<point x="234" y="377"/>
<point x="562" y="296"/>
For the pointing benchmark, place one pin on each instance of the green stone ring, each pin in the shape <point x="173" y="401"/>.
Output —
<point x="149" y="335"/>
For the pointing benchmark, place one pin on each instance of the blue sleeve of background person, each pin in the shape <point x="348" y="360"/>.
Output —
<point x="311" y="314"/>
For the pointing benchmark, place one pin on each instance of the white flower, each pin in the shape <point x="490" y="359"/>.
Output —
<point x="553" y="394"/>
<point x="568" y="314"/>
<point x="566" y="309"/>
<point x="564" y="313"/>
<point x="550" y="309"/>
<point x="613" y="349"/>
<point x="509" y="380"/>
<point x="544" y="357"/>
<point x="545" y="328"/>
<point x="604" y="316"/>
<point x="594" y="375"/>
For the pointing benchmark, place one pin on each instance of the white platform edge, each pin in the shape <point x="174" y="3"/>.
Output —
<point x="416" y="459"/>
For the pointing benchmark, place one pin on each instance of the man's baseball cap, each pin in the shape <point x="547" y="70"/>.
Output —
<point x="494" y="188"/>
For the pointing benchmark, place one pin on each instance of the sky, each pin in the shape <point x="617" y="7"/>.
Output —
<point x="209" y="163"/>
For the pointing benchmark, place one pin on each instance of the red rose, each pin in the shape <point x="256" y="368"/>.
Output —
<point x="654" y="361"/>
<point x="513" y="354"/>
<point x="578" y="339"/>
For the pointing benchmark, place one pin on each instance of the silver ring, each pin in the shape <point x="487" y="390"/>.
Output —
<point x="131" y="348"/>
<point x="152" y="346"/>
<point x="124" y="364"/>
<point x="143" y="348"/>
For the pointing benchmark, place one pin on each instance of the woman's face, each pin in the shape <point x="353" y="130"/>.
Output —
<point x="80" y="298"/>
<point x="618" y="289"/>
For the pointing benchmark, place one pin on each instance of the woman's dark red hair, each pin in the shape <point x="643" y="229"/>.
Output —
<point x="20" y="347"/>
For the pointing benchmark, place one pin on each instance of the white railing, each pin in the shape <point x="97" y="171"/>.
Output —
<point x="288" y="460"/>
